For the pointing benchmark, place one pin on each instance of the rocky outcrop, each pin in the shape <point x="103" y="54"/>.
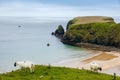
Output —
<point x="59" y="32"/>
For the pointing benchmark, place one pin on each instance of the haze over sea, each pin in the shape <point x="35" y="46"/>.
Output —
<point x="29" y="42"/>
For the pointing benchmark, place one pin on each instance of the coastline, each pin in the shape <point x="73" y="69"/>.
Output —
<point x="97" y="47"/>
<point x="109" y="61"/>
<point x="108" y="57"/>
<point x="91" y="46"/>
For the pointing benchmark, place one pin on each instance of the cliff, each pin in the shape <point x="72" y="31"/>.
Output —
<point x="98" y="30"/>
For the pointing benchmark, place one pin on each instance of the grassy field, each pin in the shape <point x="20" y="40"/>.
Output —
<point x="55" y="73"/>
<point x="92" y="19"/>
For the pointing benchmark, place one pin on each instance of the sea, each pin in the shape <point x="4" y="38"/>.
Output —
<point x="26" y="39"/>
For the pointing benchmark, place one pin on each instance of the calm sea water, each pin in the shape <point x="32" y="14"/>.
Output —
<point x="29" y="42"/>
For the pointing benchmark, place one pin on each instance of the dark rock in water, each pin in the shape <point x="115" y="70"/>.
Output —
<point x="60" y="31"/>
<point x="48" y="44"/>
<point x="19" y="26"/>
<point x="52" y="33"/>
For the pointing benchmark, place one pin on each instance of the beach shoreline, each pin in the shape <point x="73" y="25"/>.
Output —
<point x="109" y="61"/>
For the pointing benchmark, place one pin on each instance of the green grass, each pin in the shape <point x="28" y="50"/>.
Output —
<point x="92" y="19"/>
<point x="55" y="73"/>
<point x="93" y="29"/>
<point x="107" y="34"/>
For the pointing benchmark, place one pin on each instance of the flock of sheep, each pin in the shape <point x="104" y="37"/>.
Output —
<point x="27" y="64"/>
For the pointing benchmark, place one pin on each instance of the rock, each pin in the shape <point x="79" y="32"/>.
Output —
<point x="19" y="26"/>
<point x="59" y="32"/>
<point x="48" y="44"/>
<point x="52" y="33"/>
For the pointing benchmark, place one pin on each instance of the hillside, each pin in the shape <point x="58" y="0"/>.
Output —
<point x="55" y="73"/>
<point x="91" y="19"/>
<point x="93" y="29"/>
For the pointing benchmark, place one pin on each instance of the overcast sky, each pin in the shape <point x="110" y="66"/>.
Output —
<point x="59" y="8"/>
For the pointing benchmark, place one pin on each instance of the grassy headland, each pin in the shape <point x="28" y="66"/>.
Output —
<point x="93" y="29"/>
<point x="55" y="73"/>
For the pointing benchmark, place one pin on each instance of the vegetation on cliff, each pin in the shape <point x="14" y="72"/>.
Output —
<point x="96" y="30"/>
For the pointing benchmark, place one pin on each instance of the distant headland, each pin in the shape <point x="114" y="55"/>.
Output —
<point x="92" y="32"/>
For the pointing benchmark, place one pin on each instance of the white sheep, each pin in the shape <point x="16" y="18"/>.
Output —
<point x="25" y="64"/>
<point x="95" y="67"/>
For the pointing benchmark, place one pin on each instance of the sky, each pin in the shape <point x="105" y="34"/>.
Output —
<point x="59" y="8"/>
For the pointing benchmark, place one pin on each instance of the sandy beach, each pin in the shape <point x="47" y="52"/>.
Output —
<point x="109" y="61"/>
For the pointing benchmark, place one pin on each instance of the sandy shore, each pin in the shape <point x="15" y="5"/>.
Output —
<point x="109" y="61"/>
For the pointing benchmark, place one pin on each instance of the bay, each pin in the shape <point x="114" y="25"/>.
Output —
<point x="26" y="38"/>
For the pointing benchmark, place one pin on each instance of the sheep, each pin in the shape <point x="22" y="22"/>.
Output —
<point x="25" y="64"/>
<point x="95" y="67"/>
